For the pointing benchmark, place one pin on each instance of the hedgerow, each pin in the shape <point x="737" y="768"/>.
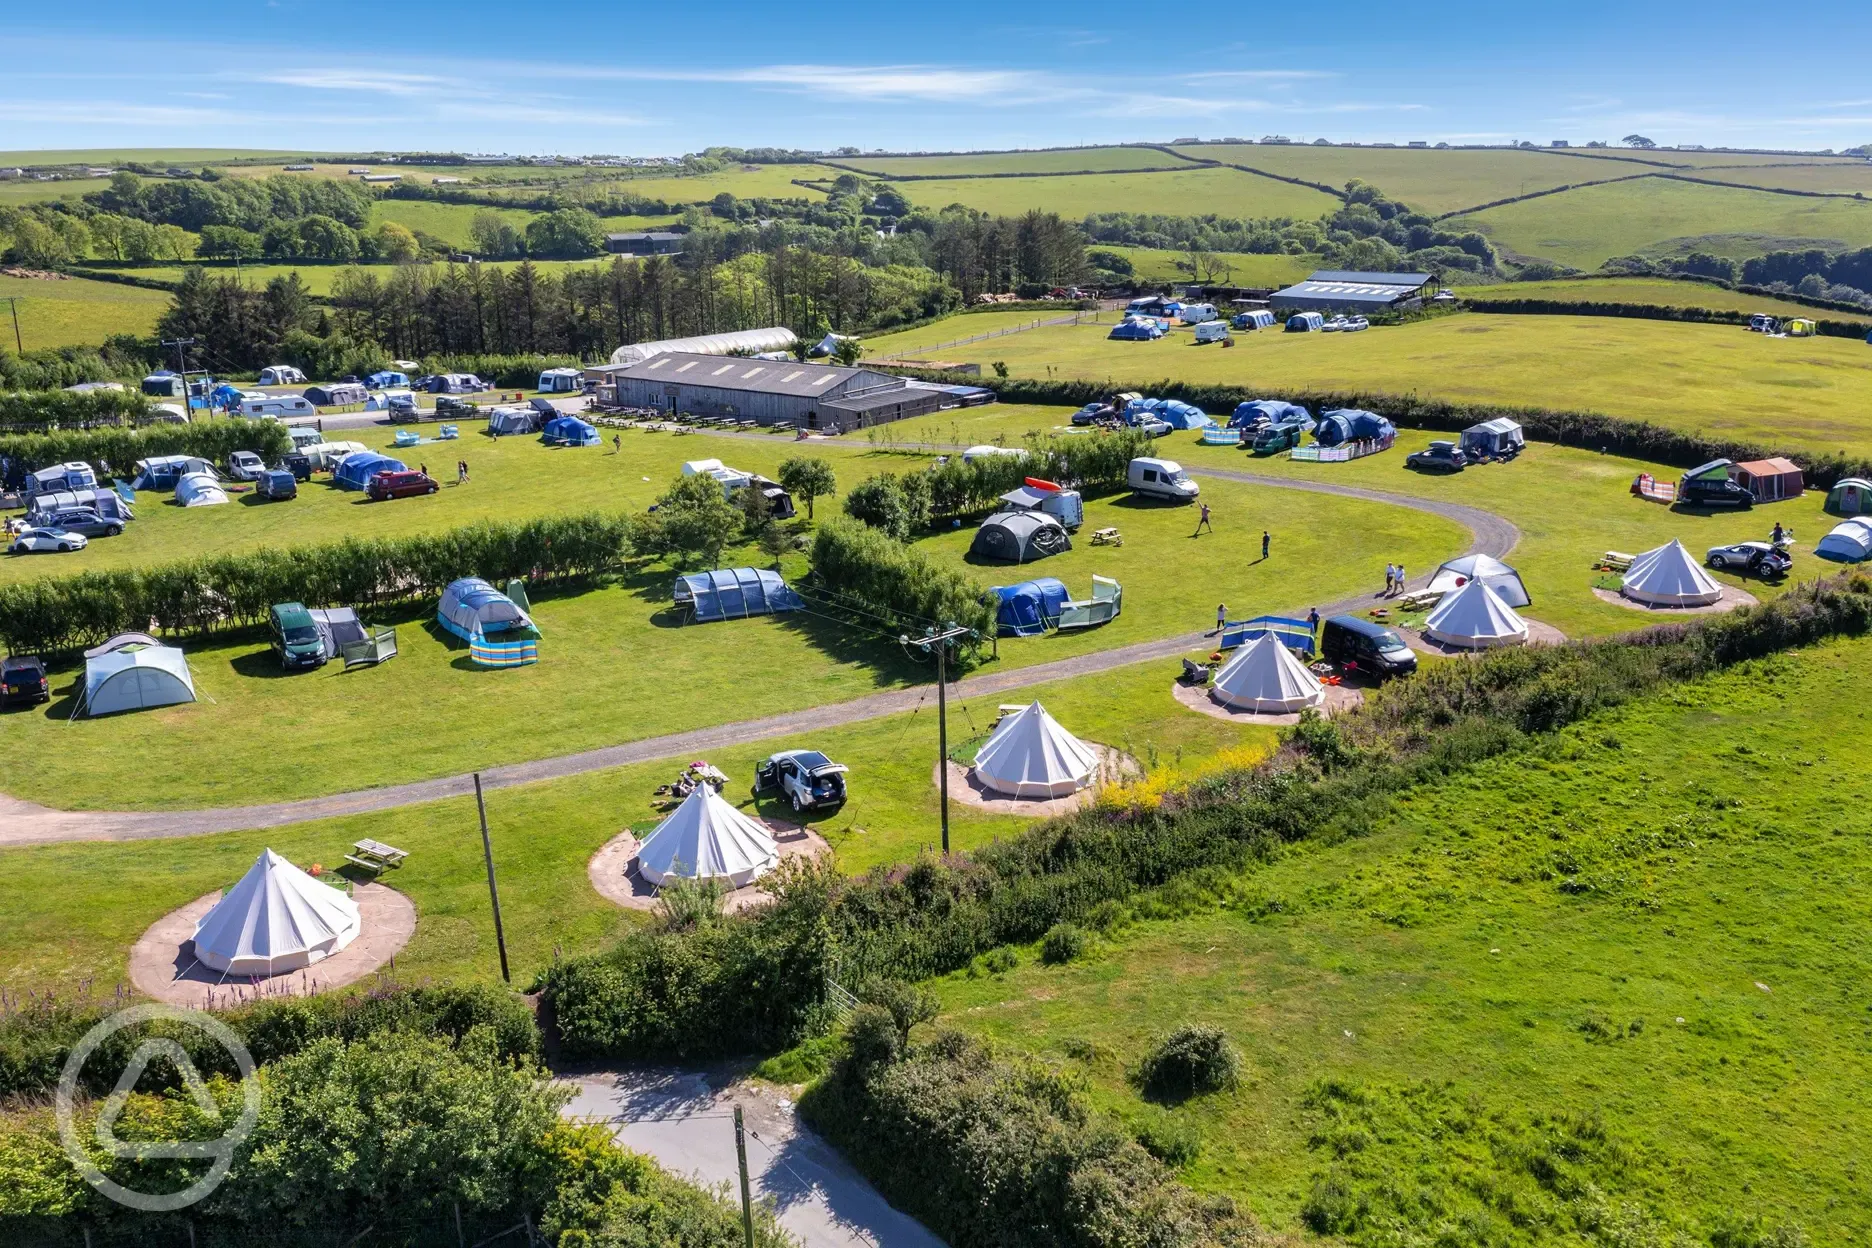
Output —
<point x="1649" y="312"/>
<point x="195" y="596"/>
<point x="31" y="411"/>
<point x="121" y="447"/>
<point x="896" y="588"/>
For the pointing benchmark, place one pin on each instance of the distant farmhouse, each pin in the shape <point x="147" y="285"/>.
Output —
<point x="644" y="243"/>
<point x="1337" y="290"/>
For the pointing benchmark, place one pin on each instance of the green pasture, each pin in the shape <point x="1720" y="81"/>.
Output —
<point x="1157" y="266"/>
<point x="1067" y="160"/>
<point x="1806" y="393"/>
<point x="449" y="222"/>
<point x="143" y="155"/>
<point x="743" y="182"/>
<point x="1432" y="180"/>
<point x="921" y="341"/>
<point x="615" y="664"/>
<point x="76" y="312"/>
<point x="1716" y="159"/>
<point x="25" y="191"/>
<point x="1653" y="290"/>
<point x="1571" y="505"/>
<point x="1837" y="177"/>
<point x="1642" y="936"/>
<point x="1194" y="192"/>
<point x="1590" y="225"/>
<point x="69" y="913"/>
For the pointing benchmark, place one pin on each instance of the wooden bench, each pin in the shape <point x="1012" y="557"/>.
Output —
<point x="375" y="856"/>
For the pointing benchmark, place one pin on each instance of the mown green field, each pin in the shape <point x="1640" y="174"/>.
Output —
<point x="142" y="155"/>
<point x="1588" y="226"/>
<point x="1837" y="177"/>
<point x="1227" y="192"/>
<point x="1156" y="266"/>
<point x="449" y="222"/>
<point x="1652" y="290"/>
<point x="318" y="278"/>
<point x="744" y="182"/>
<point x="29" y="192"/>
<point x="1617" y="981"/>
<point x="1800" y="393"/>
<point x="76" y="312"/>
<point x="1067" y="160"/>
<point x="615" y="666"/>
<point x="70" y="913"/>
<point x="1431" y="180"/>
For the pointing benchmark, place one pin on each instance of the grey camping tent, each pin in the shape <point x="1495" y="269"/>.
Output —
<point x="1020" y="537"/>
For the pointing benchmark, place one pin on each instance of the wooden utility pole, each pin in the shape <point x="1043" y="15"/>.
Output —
<point x="18" y="346"/>
<point x="487" y="852"/>
<point x="747" y="1200"/>
<point x="940" y="643"/>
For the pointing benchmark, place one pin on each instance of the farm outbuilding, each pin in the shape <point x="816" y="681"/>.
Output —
<point x="809" y="396"/>
<point x="1771" y="480"/>
<point x="1339" y="290"/>
<point x="1850" y="496"/>
<point x="1020" y="537"/>
<point x="748" y="341"/>
<point x="134" y="678"/>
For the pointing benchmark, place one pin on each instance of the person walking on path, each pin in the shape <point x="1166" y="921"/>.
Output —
<point x="1202" y="521"/>
<point x="1390" y="578"/>
<point x="1313" y="622"/>
<point x="461" y="472"/>
<point x="617" y="444"/>
<point x="1400" y="578"/>
<point x="1221" y="616"/>
<point x="1265" y="539"/>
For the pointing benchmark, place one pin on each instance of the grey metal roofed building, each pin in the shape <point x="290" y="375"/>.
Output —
<point x="644" y="243"/>
<point x="1342" y="290"/>
<point x="811" y="396"/>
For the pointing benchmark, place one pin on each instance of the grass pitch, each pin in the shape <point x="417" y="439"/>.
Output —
<point x="1225" y="192"/>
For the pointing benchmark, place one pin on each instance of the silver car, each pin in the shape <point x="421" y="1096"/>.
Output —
<point x="36" y="541"/>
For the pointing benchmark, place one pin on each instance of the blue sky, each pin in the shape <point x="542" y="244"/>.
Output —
<point x="577" y="77"/>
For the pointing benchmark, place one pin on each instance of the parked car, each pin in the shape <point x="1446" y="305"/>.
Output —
<point x="406" y="484"/>
<point x="1365" y="647"/>
<point x="448" y="405"/>
<point x="402" y="409"/>
<point x="1751" y="559"/>
<point x="1161" y="478"/>
<point x="1146" y="423"/>
<point x="294" y="637"/>
<point x="1276" y="438"/>
<point x="277" y="485"/>
<point x="23" y="680"/>
<point x="1438" y="457"/>
<point x="806" y="778"/>
<point x="36" y="541"/>
<point x="84" y="520"/>
<point x="1712" y="486"/>
<point x="245" y="466"/>
<point x="1355" y="323"/>
<point x="1093" y="413"/>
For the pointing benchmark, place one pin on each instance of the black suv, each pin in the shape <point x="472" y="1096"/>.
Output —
<point x="448" y="405"/>
<point x="1365" y="647"/>
<point x="23" y="681"/>
<point x="1438" y="457"/>
<point x="1712" y="486"/>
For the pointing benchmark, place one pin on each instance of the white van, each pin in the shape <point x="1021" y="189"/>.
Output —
<point x="1198" y="313"/>
<point x="983" y="452"/>
<point x="278" y="406"/>
<point x="1212" y="331"/>
<point x="303" y="436"/>
<point x="1161" y="478"/>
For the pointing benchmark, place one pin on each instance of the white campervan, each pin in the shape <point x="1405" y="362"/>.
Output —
<point x="1198" y="313"/>
<point x="1161" y="478"/>
<point x="278" y="406"/>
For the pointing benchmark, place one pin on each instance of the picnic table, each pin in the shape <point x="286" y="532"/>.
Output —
<point x="1107" y="537"/>
<point x="375" y="856"/>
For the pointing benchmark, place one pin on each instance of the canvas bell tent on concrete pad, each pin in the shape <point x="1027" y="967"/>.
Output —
<point x="1475" y="617"/>
<point x="277" y="918"/>
<point x="1498" y="576"/>
<point x="707" y="838"/>
<point x="135" y="679"/>
<point x="1668" y="576"/>
<point x="1264" y="676"/>
<point x="1030" y="755"/>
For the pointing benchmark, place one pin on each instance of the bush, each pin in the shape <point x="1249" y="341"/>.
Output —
<point x="213" y="440"/>
<point x="1168" y="1138"/>
<point x="1188" y="1062"/>
<point x="39" y="411"/>
<point x="872" y="1037"/>
<point x="893" y="586"/>
<point x="1062" y="943"/>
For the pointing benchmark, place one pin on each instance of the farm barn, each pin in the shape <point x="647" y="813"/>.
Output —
<point x="1341" y="290"/>
<point x="810" y="396"/>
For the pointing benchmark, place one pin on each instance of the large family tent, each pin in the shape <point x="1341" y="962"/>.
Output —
<point x="1475" y="617"/>
<point x="707" y="838"/>
<point x="161" y="472"/>
<point x="1500" y="436"/>
<point x="355" y="470"/>
<point x="1498" y="576"/>
<point x="1020" y="537"/>
<point x="1771" y="480"/>
<point x="109" y="504"/>
<point x="1849" y="542"/>
<point x="134" y="677"/>
<point x="1305" y="322"/>
<point x="735" y="594"/>
<point x="471" y="606"/>
<point x="1179" y="415"/>
<point x="1349" y="424"/>
<point x="1253" y="318"/>
<point x="1133" y="330"/>
<point x="1264" y="676"/>
<point x="339" y="394"/>
<point x="1667" y="576"/>
<point x="1030" y="755"/>
<point x="1257" y="413"/>
<point x="1029" y="608"/>
<point x="200" y="489"/>
<point x="569" y="431"/>
<point x="385" y="379"/>
<point x="1850" y="496"/>
<point x="276" y="919"/>
<point x="505" y="421"/>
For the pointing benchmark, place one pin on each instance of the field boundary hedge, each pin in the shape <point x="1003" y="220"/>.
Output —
<point x="58" y="615"/>
<point x="1015" y="173"/>
<point x="121" y="448"/>
<point x="1613" y="434"/>
<point x="866" y="571"/>
<point x="36" y="411"/>
<point x="1540" y="194"/>
<point x="1649" y="312"/>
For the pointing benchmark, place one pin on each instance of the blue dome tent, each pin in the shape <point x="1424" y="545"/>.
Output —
<point x="1349" y="424"/>
<point x="1135" y="331"/>
<point x="1258" y="412"/>
<point x="354" y="471"/>
<point x="1183" y="416"/>
<point x="569" y="431"/>
<point x="1026" y="609"/>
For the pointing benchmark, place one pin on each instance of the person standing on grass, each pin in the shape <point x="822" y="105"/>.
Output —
<point x="461" y="472"/>
<point x="423" y="468"/>
<point x="617" y="444"/>
<point x="1202" y="521"/>
<point x="1313" y="622"/>
<point x="1265" y="542"/>
<point x="1221" y="615"/>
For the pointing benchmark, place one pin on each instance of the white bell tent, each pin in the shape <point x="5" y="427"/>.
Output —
<point x="134" y="678"/>
<point x="1668" y="576"/>
<point x="1264" y="676"/>
<point x="277" y="918"/>
<point x="1498" y="576"/>
<point x="1476" y="617"/>
<point x="1030" y="755"/>
<point x="707" y="838"/>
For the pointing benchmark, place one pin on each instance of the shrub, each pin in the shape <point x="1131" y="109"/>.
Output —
<point x="879" y="503"/>
<point x="1168" y="1138"/>
<point x="895" y="588"/>
<point x="42" y="410"/>
<point x="872" y="1037"/>
<point x="121" y="447"/>
<point x="1062" y="943"/>
<point x="907" y="1004"/>
<point x="1191" y="1060"/>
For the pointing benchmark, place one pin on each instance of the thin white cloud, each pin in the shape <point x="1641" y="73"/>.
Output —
<point x="1260" y="75"/>
<point x="385" y="82"/>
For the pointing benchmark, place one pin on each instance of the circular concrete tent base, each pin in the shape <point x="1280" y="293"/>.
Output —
<point x="163" y="963"/>
<point x="613" y="869"/>
<point x="1730" y="600"/>
<point x="1339" y="699"/>
<point x="967" y="788"/>
<point x="1539" y="634"/>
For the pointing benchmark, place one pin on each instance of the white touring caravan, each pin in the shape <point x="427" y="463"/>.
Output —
<point x="1212" y="331"/>
<point x="279" y="407"/>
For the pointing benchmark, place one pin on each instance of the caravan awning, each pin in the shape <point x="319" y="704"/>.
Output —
<point x="735" y="593"/>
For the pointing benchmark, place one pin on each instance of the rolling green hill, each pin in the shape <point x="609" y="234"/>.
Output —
<point x="1226" y="192"/>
